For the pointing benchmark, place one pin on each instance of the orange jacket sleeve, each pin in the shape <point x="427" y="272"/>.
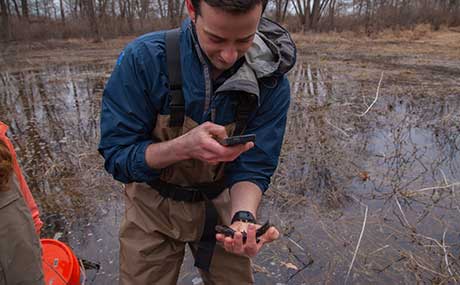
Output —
<point x="29" y="199"/>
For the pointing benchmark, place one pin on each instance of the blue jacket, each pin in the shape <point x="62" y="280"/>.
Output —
<point x="137" y="92"/>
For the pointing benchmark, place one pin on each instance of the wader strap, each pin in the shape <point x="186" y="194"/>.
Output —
<point x="207" y="242"/>
<point x="246" y="105"/>
<point x="176" y="98"/>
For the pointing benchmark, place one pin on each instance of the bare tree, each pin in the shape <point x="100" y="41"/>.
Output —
<point x="91" y="14"/>
<point x="310" y="12"/>
<point x="280" y="9"/>
<point x="61" y="6"/>
<point x="16" y="8"/>
<point x="5" y="33"/>
<point x="25" y="9"/>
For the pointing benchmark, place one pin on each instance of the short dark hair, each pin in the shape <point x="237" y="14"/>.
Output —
<point x="231" y="6"/>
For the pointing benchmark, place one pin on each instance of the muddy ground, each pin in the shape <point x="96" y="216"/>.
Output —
<point x="367" y="189"/>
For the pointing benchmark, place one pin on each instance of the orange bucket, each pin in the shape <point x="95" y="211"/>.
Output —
<point x="60" y="265"/>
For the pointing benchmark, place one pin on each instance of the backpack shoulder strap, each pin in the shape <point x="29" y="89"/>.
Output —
<point x="176" y="97"/>
<point x="245" y="106"/>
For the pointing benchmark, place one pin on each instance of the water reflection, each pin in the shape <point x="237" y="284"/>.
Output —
<point x="54" y="114"/>
<point x="401" y="160"/>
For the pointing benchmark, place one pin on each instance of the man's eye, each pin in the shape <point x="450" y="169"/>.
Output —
<point x="245" y="41"/>
<point x="216" y="40"/>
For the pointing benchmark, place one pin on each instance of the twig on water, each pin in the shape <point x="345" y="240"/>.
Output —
<point x="430" y="188"/>
<point x="404" y="216"/>
<point x="425" y="267"/>
<point x="337" y="128"/>
<point x="357" y="246"/>
<point x="376" y="97"/>
<point x="295" y="243"/>
<point x="453" y="188"/>
<point x="445" y="254"/>
<point x="378" y="249"/>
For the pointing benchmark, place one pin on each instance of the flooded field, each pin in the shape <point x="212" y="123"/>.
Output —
<point x="367" y="190"/>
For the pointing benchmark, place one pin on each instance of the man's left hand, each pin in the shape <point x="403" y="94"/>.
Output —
<point x="251" y="247"/>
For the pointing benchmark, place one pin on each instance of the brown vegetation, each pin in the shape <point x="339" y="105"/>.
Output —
<point x="364" y="189"/>
<point x="99" y="19"/>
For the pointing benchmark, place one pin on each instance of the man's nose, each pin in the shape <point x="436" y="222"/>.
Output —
<point x="229" y="55"/>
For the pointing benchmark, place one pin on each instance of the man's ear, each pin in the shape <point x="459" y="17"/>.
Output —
<point x="191" y="10"/>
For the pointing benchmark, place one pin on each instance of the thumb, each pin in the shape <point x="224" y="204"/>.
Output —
<point x="217" y="130"/>
<point x="272" y="234"/>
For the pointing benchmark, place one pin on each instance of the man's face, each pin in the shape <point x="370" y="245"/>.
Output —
<point x="225" y="37"/>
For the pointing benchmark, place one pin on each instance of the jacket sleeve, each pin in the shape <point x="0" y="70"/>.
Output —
<point x="269" y="123"/>
<point x="128" y="115"/>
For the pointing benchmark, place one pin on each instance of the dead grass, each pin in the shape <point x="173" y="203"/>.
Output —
<point x="444" y="42"/>
<point x="32" y="55"/>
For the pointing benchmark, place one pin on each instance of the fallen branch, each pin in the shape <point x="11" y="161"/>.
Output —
<point x="376" y="97"/>
<point x="413" y="192"/>
<point x="357" y="246"/>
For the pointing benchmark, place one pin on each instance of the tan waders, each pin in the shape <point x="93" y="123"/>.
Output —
<point x="158" y="223"/>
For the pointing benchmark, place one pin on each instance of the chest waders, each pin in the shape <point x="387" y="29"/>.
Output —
<point x="175" y="181"/>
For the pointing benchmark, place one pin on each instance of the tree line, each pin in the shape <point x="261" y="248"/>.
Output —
<point x="40" y="19"/>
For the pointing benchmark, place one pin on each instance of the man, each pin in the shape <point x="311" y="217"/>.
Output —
<point x="177" y="174"/>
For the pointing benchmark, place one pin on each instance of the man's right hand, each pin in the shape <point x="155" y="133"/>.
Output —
<point x="200" y="143"/>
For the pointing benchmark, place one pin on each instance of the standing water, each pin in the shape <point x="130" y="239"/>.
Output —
<point x="367" y="189"/>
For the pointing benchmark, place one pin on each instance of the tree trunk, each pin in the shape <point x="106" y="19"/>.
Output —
<point x="37" y="8"/>
<point x="93" y="19"/>
<point x="16" y="8"/>
<point x="315" y="14"/>
<point x="129" y="15"/>
<point x="61" y="5"/>
<point x="277" y="10"/>
<point x="54" y="10"/>
<point x="331" y="14"/>
<point x="307" y="15"/>
<point x="5" y="32"/>
<point x="283" y="17"/>
<point x="112" y="8"/>
<point x="25" y="9"/>
<point x="171" y="16"/>
<point x="182" y="6"/>
<point x="160" y="7"/>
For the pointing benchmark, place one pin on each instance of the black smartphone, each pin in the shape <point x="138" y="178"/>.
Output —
<point x="237" y="140"/>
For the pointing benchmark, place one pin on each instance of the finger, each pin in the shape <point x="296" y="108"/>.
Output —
<point x="251" y="247"/>
<point x="242" y="147"/>
<point x="228" y="244"/>
<point x="272" y="234"/>
<point x="216" y="130"/>
<point x="248" y="146"/>
<point x="238" y="247"/>
<point x="220" y="237"/>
